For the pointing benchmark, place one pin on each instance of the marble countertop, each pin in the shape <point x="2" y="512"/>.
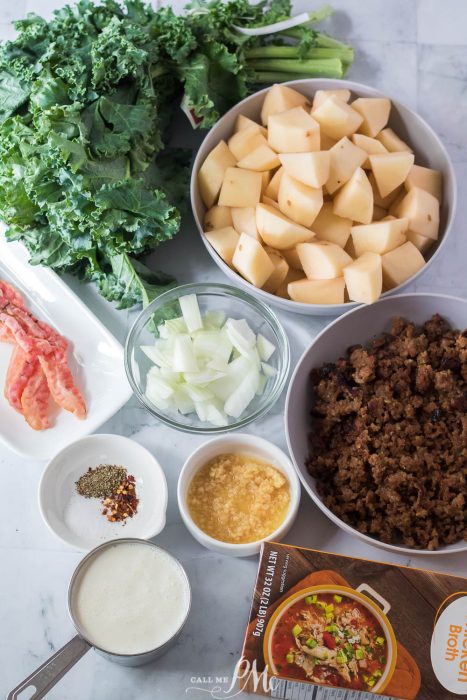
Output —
<point x="406" y="48"/>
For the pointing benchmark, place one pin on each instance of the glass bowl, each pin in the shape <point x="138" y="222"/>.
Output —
<point x="236" y="304"/>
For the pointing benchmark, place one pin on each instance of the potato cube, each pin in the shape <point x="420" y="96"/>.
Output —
<point x="240" y="188"/>
<point x="383" y="202"/>
<point x="265" y="180"/>
<point x="336" y="118"/>
<point x="394" y="206"/>
<point x="400" y="264"/>
<point x="345" y="159"/>
<point x="211" y="173"/>
<point x="260" y="159"/>
<point x="291" y="276"/>
<point x="322" y="260"/>
<point x="422" y="210"/>
<point x="322" y="95"/>
<point x="243" y="122"/>
<point x="317" y="291"/>
<point x="364" y="278"/>
<point x="311" y="169"/>
<point x="292" y="258"/>
<point x="281" y="98"/>
<point x="421" y="242"/>
<point x="270" y="202"/>
<point x="378" y="213"/>
<point x="390" y="170"/>
<point x="380" y="236"/>
<point x="355" y="199"/>
<point x="330" y="227"/>
<point x="298" y="201"/>
<point x="375" y="113"/>
<point x="272" y="190"/>
<point x="243" y="142"/>
<point x="427" y="179"/>
<point x="371" y="146"/>
<point x="392" y="142"/>
<point x="251" y="260"/>
<point x="217" y="217"/>
<point x="224" y="241"/>
<point x="279" y="273"/>
<point x="244" y="221"/>
<point x="294" y="131"/>
<point x="277" y="230"/>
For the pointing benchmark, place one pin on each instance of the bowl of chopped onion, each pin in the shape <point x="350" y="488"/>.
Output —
<point x="207" y="358"/>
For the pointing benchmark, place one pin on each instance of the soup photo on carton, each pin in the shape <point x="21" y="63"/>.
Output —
<point x="323" y="621"/>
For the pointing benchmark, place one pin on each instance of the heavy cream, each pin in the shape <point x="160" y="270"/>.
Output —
<point x="130" y="598"/>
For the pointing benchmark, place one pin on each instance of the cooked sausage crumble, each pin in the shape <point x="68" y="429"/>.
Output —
<point x="388" y="440"/>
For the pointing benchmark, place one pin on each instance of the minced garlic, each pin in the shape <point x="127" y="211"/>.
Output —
<point x="237" y="498"/>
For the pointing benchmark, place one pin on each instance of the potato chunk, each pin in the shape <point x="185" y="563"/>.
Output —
<point x="243" y="122"/>
<point x="260" y="159"/>
<point x="281" y="98"/>
<point x="291" y="276"/>
<point x="251" y="260"/>
<point x="427" y="179"/>
<point x="330" y="227"/>
<point x="392" y="142"/>
<point x="293" y="260"/>
<point x="379" y="237"/>
<point x="311" y="169"/>
<point x="364" y="278"/>
<point x="421" y="242"/>
<point x="400" y="264"/>
<point x="336" y="118"/>
<point x="294" y="131"/>
<point x="279" y="273"/>
<point x="217" y="217"/>
<point x="317" y="291"/>
<point x="383" y="202"/>
<point x="345" y="159"/>
<point x="375" y="113"/>
<point x="355" y="199"/>
<point x="322" y="260"/>
<point x="243" y="142"/>
<point x="422" y="210"/>
<point x="390" y="170"/>
<point x="244" y="221"/>
<point x="277" y="230"/>
<point x="240" y="188"/>
<point x="322" y="95"/>
<point x="298" y="201"/>
<point x="371" y="146"/>
<point x="272" y="190"/>
<point x="211" y="173"/>
<point x="224" y="241"/>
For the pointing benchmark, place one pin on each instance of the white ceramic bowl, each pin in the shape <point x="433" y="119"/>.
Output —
<point x="429" y="151"/>
<point x="243" y="444"/>
<point x="78" y="521"/>
<point x="358" y="327"/>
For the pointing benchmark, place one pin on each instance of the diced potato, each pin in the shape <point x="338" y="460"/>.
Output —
<point x="322" y="95"/>
<point x="383" y="202"/>
<point x="427" y="179"/>
<point x="298" y="201"/>
<point x="251" y="260"/>
<point x="265" y="180"/>
<point x="390" y="170"/>
<point x="422" y="210"/>
<point x="272" y="190"/>
<point x="364" y="278"/>
<point x="375" y="113"/>
<point x="270" y="202"/>
<point x="379" y="237"/>
<point x="307" y="291"/>
<point x="392" y="142"/>
<point x="330" y="227"/>
<point x="293" y="260"/>
<point x="311" y="169"/>
<point x="243" y="142"/>
<point x="400" y="264"/>
<point x="217" y="217"/>
<point x="394" y="206"/>
<point x="378" y="213"/>
<point x="277" y="230"/>
<point x="243" y="122"/>
<point x="260" y="159"/>
<point x="240" y="188"/>
<point x="345" y="159"/>
<point x="244" y="221"/>
<point x="355" y="199"/>
<point x="211" y="173"/>
<point x="281" y="98"/>
<point x="291" y="276"/>
<point x="279" y="273"/>
<point x="224" y="241"/>
<point x="322" y="260"/>
<point x="371" y="146"/>
<point x="294" y="131"/>
<point x="336" y="118"/>
<point x="326" y="142"/>
<point x="421" y="242"/>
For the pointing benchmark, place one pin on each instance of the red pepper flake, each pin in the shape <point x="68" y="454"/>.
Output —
<point x="122" y="502"/>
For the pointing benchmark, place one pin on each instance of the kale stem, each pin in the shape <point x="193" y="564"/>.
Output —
<point x="323" y="68"/>
<point x="271" y="51"/>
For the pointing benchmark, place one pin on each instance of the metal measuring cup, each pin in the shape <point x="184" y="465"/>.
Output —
<point x="52" y="670"/>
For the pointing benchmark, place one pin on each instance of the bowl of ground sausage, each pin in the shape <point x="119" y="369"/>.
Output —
<point x="376" y="423"/>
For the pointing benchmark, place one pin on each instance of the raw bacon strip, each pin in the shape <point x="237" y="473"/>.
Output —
<point x="20" y="371"/>
<point x="10" y="294"/>
<point x="35" y="400"/>
<point x="61" y="384"/>
<point x="6" y="336"/>
<point x="30" y="344"/>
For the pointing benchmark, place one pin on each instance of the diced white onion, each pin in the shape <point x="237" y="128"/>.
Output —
<point x="191" y="313"/>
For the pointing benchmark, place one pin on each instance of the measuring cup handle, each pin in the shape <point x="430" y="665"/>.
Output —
<point x="50" y="672"/>
<point x="365" y="588"/>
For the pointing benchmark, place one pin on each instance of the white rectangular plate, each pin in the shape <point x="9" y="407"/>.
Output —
<point x="96" y="358"/>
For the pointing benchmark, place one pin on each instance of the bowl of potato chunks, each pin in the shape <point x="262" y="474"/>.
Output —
<point x="319" y="195"/>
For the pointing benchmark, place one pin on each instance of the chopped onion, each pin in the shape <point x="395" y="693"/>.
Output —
<point x="264" y="347"/>
<point x="191" y="313"/>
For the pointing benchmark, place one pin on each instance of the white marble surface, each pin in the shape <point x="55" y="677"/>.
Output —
<point x="416" y="51"/>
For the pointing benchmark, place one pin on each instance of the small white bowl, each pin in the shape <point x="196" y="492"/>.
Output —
<point x="78" y="521"/>
<point x="240" y="443"/>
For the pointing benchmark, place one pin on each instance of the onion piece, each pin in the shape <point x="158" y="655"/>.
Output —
<point x="191" y="313"/>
